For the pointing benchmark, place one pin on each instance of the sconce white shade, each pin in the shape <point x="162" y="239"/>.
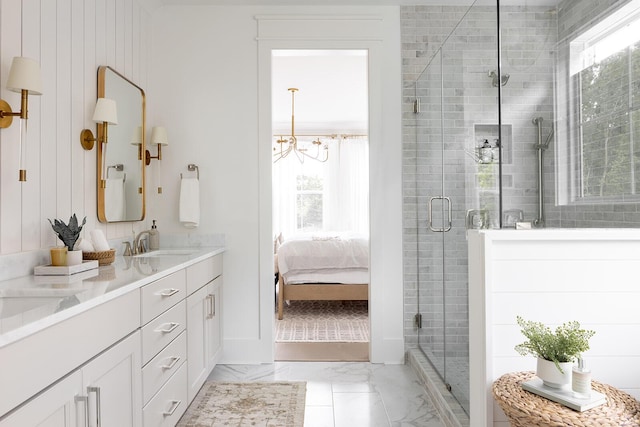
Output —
<point x="159" y="135"/>
<point x="105" y="111"/>
<point x="25" y="75"/>
<point x="136" y="137"/>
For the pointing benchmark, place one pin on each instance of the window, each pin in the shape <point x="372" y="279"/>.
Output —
<point x="309" y="203"/>
<point x="605" y="73"/>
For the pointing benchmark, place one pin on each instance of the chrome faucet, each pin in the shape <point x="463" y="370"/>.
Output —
<point x="138" y="246"/>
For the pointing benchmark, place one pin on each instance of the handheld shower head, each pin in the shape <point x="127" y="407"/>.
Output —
<point x="542" y="145"/>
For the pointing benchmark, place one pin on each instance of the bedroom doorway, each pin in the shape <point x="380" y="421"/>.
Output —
<point x="320" y="194"/>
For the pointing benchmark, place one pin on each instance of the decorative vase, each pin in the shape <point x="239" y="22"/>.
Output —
<point x="74" y="257"/>
<point x="59" y="256"/>
<point x="551" y="376"/>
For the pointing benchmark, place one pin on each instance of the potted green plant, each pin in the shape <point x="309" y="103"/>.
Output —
<point x="69" y="234"/>
<point x="556" y="350"/>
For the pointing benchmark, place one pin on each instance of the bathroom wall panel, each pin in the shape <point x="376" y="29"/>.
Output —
<point x="70" y="39"/>
<point x="10" y="197"/>
<point x="48" y="138"/>
<point x="501" y="289"/>
<point x="31" y="194"/>
<point x="76" y="118"/>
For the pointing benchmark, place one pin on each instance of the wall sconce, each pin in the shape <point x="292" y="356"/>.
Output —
<point x="24" y="78"/>
<point x="159" y="138"/>
<point x="106" y="113"/>
<point x="136" y="139"/>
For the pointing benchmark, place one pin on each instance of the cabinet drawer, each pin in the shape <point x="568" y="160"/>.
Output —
<point x="166" y="407"/>
<point x="203" y="272"/>
<point x="162" y="330"/>
<point x="162" y="294"/>
<point x="160" y="368"/>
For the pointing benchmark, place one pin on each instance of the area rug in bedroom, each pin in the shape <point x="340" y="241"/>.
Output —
<point x="260" y="404"/>
<point x="320" y="321"/>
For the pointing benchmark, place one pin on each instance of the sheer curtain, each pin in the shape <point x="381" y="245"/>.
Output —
<point x="345" y="179"/>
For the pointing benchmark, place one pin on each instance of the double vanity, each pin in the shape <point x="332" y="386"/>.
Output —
<point x="128" y="344"/>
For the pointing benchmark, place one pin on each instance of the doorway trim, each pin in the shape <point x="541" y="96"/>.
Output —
<point x="380" y="35"/>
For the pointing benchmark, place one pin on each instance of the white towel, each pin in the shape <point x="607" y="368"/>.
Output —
<point x="83" y="245"/>
<point x="99" y="240"/>
<point x="190" y="202"/>
<point x="114" y="203"/>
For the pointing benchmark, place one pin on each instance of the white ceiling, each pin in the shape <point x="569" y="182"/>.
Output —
<point x="332" y="94"/>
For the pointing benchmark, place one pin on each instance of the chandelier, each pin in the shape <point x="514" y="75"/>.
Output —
<point x="286" y="146"/>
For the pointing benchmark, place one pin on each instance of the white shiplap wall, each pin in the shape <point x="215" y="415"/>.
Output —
<point x="552" y="276"/>
<point x="70" y="39"/>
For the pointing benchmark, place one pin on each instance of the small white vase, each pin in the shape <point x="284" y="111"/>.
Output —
<point x="551" y="376"/>
<point x="74" y="258"/>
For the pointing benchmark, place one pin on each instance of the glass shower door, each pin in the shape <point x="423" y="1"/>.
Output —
<point x="458" y="152"/>
<point x="432" y="212"/>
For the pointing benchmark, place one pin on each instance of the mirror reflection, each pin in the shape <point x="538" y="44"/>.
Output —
<point x="122" y="195"/>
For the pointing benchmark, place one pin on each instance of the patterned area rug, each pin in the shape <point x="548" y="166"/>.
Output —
<point x="277" y="404"/>
<point x="318" y="321"/>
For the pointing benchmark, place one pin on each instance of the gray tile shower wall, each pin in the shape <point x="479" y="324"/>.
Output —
<point x="529" y="41"/>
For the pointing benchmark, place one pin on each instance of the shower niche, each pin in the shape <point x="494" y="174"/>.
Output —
<point x="484" y="190"/>
<point x="487" y="142"/>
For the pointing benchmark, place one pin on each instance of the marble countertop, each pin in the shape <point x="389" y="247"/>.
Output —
<point x="31" y="303"/>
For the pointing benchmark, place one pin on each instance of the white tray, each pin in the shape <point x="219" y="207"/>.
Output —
<point x="52" y="270"/>
<point x="565" y="396"/>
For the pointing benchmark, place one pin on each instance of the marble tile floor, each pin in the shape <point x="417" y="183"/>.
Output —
<point x="347" y="394"/>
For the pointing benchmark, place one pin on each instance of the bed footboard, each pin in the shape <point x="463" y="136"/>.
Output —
<point x="320" y="292"/>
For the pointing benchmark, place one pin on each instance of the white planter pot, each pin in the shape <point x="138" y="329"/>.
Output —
<point x="74" y="257"/>
<point x="551" y="376"/>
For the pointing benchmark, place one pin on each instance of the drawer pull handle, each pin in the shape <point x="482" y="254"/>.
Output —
<point x="171" y="328"/>
<point x="211" y="311"/>
<point x="169" y="292"/>
<point x="85" y="401"/>
<point x="173" y="362"/>
<point x="96" y="390"/>
<point x="172" y="409"/>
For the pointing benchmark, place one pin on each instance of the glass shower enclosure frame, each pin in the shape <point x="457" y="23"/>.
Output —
<point x="459" y="148"/>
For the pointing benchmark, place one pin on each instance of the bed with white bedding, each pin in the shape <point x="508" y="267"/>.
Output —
<point x="327" y="267"/>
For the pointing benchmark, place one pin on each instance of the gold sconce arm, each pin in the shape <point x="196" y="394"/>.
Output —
<point x="24" y="78"/>
<point x="148" y="156"/>
<point x="6" y="115"/>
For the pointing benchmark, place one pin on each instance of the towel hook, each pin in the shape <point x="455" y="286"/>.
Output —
<point x="192" y="167"/>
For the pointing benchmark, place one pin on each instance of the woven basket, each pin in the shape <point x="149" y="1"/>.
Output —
<point x="103" y="257"/>
<point x="525" y="409"/>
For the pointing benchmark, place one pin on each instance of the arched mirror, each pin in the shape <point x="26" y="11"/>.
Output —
<point x="121" y="189"/>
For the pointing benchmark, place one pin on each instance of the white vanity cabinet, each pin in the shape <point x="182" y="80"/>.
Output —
<point x="105" y="392"/>
<point x="100" y="348"/>
<point x="58" y="406"/>
<point x="204" y="327"/>
<point x="164" y="352"/>
<point x="137" y="358"/>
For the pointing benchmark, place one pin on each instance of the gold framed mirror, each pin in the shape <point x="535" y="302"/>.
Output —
<point x="120" y="171"/>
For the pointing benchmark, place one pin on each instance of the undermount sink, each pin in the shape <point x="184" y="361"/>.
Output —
<point x="166" y="252"/>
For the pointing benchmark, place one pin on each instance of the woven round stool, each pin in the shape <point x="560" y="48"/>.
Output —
<point x="525" y="409"/>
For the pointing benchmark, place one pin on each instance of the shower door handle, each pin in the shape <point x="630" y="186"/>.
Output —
<point x="440" y="229"/>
